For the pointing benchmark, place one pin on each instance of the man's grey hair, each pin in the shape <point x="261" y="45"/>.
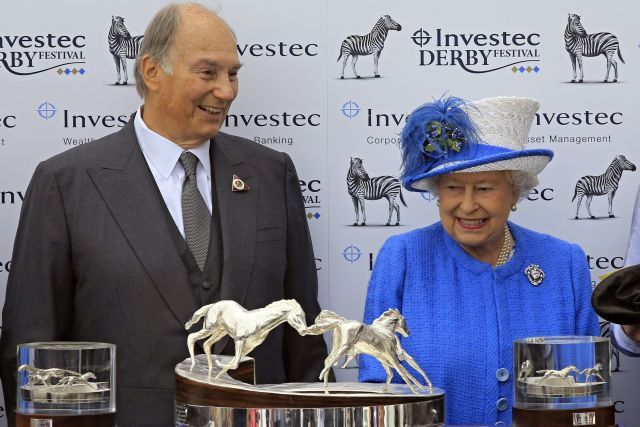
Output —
<point x="522" y="183"/>
<point x="158" y="40"/>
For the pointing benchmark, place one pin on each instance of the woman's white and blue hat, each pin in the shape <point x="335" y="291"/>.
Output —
<point x="452" y="135"/>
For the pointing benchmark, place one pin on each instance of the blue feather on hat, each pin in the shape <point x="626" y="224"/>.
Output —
<point x="449" y="112"/>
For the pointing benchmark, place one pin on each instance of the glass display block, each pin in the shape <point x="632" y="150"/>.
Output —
<point x="66" y="378"/>
<point x="562" y="373"/>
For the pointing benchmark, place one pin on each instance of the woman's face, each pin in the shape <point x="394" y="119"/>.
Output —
<point x="474" y="208"/>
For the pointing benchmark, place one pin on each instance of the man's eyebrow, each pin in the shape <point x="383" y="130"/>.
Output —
<point x="214" y="64"/>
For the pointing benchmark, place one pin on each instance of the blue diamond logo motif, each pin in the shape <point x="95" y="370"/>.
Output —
<point x="521" y="69"/>
<point x="67" y="71"/>
<point x="81" y="71"/>
<point x="536" y="68"/>
<point x="316" y="215"/>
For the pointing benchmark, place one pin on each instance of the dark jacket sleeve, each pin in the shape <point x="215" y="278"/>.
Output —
<point x="40" y="290"/>
<point x="304" y="356"/>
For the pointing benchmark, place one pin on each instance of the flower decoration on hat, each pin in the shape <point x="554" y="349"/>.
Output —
<point x="435" y="132"/>
<point x="442" y="137"/>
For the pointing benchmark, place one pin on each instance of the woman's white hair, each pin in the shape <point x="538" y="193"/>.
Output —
<point x="522" y="183"/>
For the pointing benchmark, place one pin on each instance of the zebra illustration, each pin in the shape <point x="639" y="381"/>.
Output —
<point x="122" y="46"/>
<point x="362" y="188"/>
<point x="371" y="43"/>
<point x="605" y="331"/>
<point x="607" y="183"/>
<point x="578" y="43"/>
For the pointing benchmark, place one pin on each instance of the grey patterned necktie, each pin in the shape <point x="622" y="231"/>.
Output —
<point x="195" y="214"/>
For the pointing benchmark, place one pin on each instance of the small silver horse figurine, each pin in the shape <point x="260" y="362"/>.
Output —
<point x="526" y="368"/>
<point x="247" y="328"/>
<point x="562" y="373"/>
<point x="592" y="372"/>
<point x="37" y="376"/>
<point x="379" y="340"/>
<point x="80" y="379"/>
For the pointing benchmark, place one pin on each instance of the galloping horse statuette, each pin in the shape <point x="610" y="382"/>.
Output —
<point x="350" y="337"/>
<point x="379" y="340"/>
<point x="592" y="372"/>
<point x="562" y="373"/>
<point x="248" y="328"/>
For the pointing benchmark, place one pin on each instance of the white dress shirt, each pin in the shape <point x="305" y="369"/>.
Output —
<point x="162" y="156"/>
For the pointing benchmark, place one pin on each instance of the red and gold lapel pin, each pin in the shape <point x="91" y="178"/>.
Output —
<point x="238" y="185"/>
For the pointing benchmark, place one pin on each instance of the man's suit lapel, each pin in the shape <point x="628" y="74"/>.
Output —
<point x="131" y="196"/>
<point x="238" y="216"/>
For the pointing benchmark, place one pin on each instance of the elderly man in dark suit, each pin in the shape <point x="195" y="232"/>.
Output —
<point x="123" y="239"/>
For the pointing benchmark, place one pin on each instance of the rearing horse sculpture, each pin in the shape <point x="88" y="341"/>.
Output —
<point x="379" y="340"/>
<point x="247" y="328"/>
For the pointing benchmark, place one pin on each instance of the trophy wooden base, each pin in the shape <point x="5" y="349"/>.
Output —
<point x="204" y="400"/>
<point x="31" y="420"/>
<point x="592" y="417"/>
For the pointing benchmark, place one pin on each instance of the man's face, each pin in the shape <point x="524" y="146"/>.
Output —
<point x="191" y="103"/>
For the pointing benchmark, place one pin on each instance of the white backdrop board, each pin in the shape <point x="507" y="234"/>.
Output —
<point x="57" y="79"/>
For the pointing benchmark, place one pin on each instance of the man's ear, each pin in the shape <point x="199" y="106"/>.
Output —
<point x="151" y="73"/>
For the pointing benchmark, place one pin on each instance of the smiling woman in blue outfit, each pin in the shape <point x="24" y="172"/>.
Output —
<point x="472" y="283"/>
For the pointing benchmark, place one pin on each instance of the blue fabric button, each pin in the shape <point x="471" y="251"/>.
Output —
<point x="502" y="374"/>
<point x="502" y="404"/>
<point x="500" y="423"/>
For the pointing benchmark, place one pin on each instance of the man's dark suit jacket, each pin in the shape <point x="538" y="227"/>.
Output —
<point x="95" y="259"/>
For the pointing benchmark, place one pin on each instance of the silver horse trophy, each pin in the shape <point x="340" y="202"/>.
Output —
<point x="227" y="394"/>
<point x="562" y="374"/>
<point x="248" y="328"/>
<point x="379" y="340"/>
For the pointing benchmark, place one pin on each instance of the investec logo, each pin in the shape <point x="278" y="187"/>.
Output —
<point x="29" y="54"/>
<point x="578" y="118"/>
<point x="278" y="49"/>
<point x="80" y="122"/>
<point x="7" y="121"/>
<point x="478" y="52"/>
<point x="388" y="122"/>
<point x="273" y="121"/>
<point x="11" y="197"/>
<point x="311" y="190"/>
<point x="594" y="127"/>
<point x="76" y="121"/>
<point x="385" y="120"/>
